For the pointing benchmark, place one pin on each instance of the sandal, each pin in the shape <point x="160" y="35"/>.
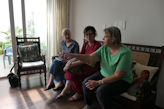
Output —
<point x="75" y="97"/>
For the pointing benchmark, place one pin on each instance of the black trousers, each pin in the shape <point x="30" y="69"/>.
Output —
<point x="104" y="92"/>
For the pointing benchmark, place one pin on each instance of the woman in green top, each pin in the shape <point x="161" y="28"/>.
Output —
<point x="115" y="75"/>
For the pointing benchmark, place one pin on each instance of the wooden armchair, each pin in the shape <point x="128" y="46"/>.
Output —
<point x="29" y="57"/>
<point x="145" y="95"/>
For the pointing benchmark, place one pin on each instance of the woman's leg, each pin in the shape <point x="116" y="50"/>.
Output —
<point x="76" y="85"/>
<point x="105" y="92"/>
<point x="56" y="71"/>
<point x="88" y="93"/>
<point x="75" y="97"/>
<point x="66" y="88"/>
<point x="50" y="80"/>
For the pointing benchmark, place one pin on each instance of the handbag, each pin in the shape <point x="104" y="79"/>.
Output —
<point x="13" y="78"/>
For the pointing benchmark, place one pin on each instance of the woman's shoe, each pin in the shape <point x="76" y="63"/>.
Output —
<point x="58" y="88"/>
<point x="49" y="87"/>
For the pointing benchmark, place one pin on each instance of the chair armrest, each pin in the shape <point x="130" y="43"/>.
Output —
<point x="43" y="58"/>
<point x="144" y="91"/>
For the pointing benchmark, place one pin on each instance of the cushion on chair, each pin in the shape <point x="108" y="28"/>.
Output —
<point x="141" y="73"/>
<point x="138" y="80"/>
<point x="32" y="64"/>
<point x="29" y="53"/>
<point x="138" y="68"/>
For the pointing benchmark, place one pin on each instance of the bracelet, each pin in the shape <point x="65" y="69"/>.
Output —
<point x="102" y="82"/>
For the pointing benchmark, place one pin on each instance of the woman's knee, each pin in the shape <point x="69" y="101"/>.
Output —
<point x="99" y="92"/>
<point x="102" y="93"/>
<point x="54" y="62"/>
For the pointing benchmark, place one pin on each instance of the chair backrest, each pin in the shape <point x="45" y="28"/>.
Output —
<point x="29" y="41"/>
<point x="156" y="53"/>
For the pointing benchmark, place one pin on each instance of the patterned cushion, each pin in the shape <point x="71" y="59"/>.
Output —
<point x="138" y="79"/>
<point x="29" y="53"/>
<point x="140" y="73"/>
<point x="138" y="68"/>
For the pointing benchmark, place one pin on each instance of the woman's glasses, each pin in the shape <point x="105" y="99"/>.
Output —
<point x="88" y="34"/>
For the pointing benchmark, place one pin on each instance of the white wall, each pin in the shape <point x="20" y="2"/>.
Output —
<point x="145" y="22"/>
<point x="144" y="19"/>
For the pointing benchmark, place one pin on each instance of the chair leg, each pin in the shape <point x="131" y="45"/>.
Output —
<point x="19" y="77"/>
<point x="45" y="76"/>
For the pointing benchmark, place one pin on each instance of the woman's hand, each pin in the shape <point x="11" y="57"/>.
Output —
<point x="91" y="84"/>
<point x="68" y="55"/>
<point x="67" y="66"/>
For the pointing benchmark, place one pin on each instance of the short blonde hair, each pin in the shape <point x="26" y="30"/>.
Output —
<point x="64" y="30"/>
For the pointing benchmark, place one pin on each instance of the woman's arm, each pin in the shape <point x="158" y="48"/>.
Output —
<point x="70" y="64"/>
<point x="90" y="59"/>
<point x="76" y="63"/>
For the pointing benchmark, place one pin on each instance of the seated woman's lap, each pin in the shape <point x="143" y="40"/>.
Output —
<point x="112" y="89"/>
<point x="56" y="70"/>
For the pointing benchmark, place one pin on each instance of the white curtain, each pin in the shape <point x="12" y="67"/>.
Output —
<point x="56" y="20"/>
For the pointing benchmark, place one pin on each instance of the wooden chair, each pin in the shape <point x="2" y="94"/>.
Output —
<point x="29" y="57"/>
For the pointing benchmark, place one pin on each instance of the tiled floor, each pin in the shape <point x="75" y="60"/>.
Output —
<point x="5" y="71"/>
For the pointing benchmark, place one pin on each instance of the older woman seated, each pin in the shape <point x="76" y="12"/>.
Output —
<point x="56" y="70"/>
<point x="115" y="75"/>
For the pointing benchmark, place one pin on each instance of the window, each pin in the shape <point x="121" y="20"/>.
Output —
<point x="35" y="11"/>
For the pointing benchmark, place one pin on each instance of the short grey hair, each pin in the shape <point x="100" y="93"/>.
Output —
<point x="114" y="32"/>
<point x="64" y="30"/>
